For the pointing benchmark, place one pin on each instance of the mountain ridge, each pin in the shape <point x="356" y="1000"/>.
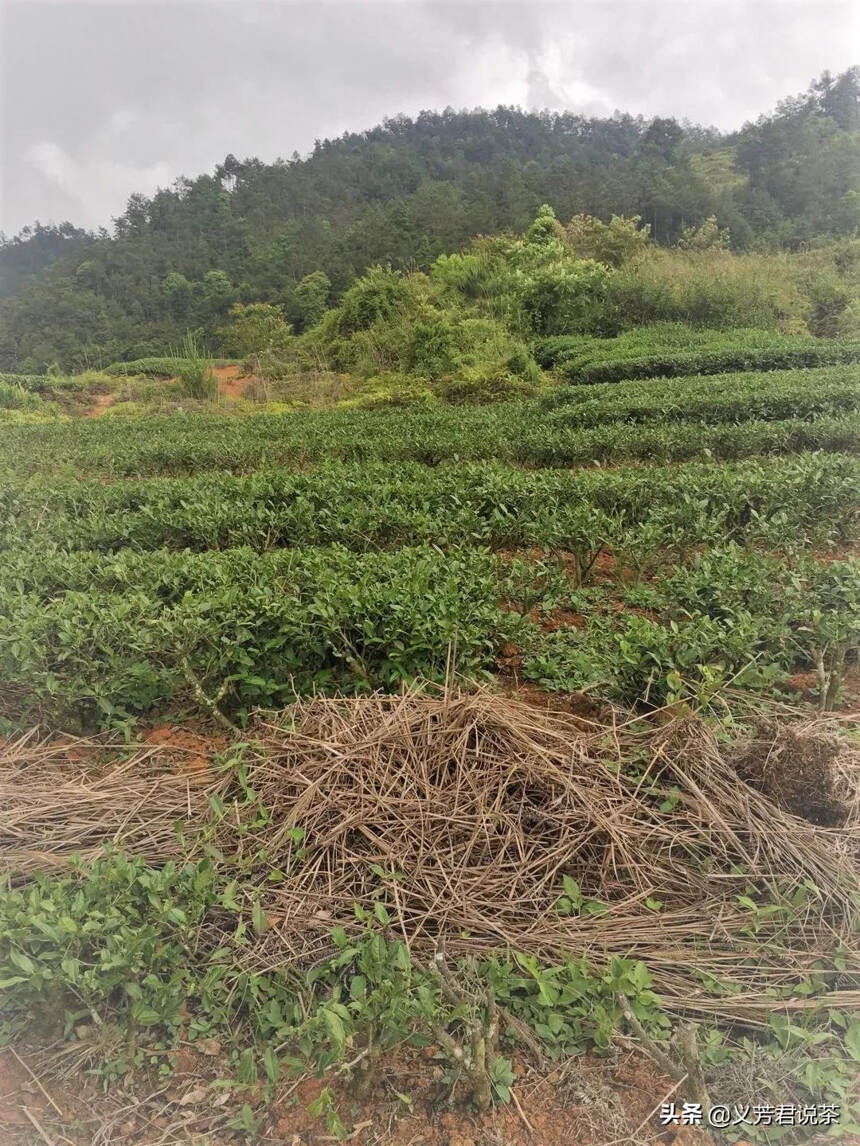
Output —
<point x="407" y="190"/>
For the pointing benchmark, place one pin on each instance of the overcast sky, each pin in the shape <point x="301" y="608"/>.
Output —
<point x="103" y="99"/>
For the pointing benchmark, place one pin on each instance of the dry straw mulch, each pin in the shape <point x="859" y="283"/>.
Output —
<point x="461" y="812"/>
<point x="71" y="797"/>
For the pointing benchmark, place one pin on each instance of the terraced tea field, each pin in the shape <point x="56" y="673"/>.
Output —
<point x="250" y="823"/>
<point x="151" y="562"/>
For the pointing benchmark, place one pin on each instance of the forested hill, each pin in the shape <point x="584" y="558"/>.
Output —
<point x="403" y="193"/>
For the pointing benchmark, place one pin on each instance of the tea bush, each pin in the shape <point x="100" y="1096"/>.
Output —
<point x="574" y="361"/>
<point x="365" y="506"/>
<point x="155" y="367"/>
<point x="727" y="616"/>
<point x="658" y="338"/>
<point x="95" y="640"/>
<point x="781" y="396"/>
<point x="120" y="944"/>
<point x="521" y="431"/>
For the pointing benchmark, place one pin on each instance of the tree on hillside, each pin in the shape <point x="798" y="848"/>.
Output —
<point x="179" y="294"/>
<point x="409" y="190"/>
<point x="255" y="328"/>
<point x="312" y="295"/>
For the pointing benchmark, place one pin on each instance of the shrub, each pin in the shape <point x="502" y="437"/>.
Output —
<point x="708" y="236"/>
<point x="255" y="328"/>
<point x="431" y="349"/>
<point x="564" y="295"/>
<point x="475" y="274"/>
<point x="731" y="614"/>
<point x="380" y="293"/>
<point x="407" y="325"/>
<point x="613" y="243"/>
<point x="492" y="382"/>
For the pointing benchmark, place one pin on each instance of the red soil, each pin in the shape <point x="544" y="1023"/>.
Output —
<point x="101" y="403"/>
<point x="188" y="751"/>
<point x="231" y="381"/>
<point x="556" y="1106"/>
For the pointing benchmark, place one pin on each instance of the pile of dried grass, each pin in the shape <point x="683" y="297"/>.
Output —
<point x="462" y="812"/>
<point x="476" y="805"/>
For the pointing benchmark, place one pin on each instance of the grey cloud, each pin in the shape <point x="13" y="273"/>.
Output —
<point x="102" y="99"/>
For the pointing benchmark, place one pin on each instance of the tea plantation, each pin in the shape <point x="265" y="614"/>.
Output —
<point x="152" y="562"/>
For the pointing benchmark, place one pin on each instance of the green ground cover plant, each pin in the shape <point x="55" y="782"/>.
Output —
<point x="124" y="944"/>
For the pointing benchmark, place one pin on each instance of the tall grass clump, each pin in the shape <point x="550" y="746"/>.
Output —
<point x="14" y="397"/>
<point x="195" y="372"/>
<point x="714" y="288"/>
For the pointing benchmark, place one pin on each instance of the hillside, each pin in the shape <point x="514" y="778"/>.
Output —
<point x="401" y="194"/>
<point x="430" y="692"/>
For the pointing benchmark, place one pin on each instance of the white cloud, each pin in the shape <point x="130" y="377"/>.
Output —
<point x="99" y="185"/>
<point x="131" y="94"/>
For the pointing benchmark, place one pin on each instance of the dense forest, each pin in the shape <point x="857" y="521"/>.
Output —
<point x="296" y="233"/>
